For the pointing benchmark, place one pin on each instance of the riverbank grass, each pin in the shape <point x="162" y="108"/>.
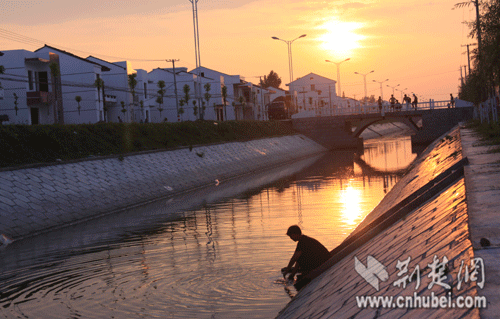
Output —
<point x="489" y="133"/>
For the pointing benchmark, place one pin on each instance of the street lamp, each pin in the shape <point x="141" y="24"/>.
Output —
<point x="289" y="44"/>
<point x="402" y="92"/>
<point x="364" y="77"/>
<point x="338" y="72"/>
<point x="393" y="87"/>
<point x="381" y="92"/>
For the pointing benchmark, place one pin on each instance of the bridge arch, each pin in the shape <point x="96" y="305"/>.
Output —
<point x="364" y="124"/>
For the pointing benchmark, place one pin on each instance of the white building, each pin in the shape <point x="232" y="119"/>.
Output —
<point x="33" y="95"/>
<point x="28" y="96"/>
<point x="275" y="93"/>
<point x="116" y="90"/>
<point x="201" y="104"/>
<point x="92" y="90"/>
<point x="315" y="95"/>
<point x="251" y="101"/>
<point x="232" y="110"/>
<point x="78" y="77"/>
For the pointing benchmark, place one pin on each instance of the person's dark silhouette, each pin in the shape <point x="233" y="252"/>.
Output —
<point x="415" y="101"/>
<point x="308" y="255"/>
<point x="392" y="100"/>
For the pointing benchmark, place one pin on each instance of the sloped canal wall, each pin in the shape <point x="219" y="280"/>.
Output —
<point x="412" y="249"/>
<point x="34" y="200"/>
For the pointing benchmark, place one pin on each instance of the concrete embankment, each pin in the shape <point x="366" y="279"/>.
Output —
<point x="412" y="249"/>
<point x="35" y="200"/>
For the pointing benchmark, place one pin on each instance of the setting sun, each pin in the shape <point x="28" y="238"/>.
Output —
<point x="341" y="37"/>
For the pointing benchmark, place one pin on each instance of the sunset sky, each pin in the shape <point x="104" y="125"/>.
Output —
<point x="414" y="43"/>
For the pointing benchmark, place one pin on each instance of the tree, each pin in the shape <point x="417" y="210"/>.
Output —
<point x="195" y="109"/>
<point x="2" y="71"/>
<point x="99" y="84"/>
<point x="16" y="102"/>
<point x="207" y="87"/>
<point x="161" y="93"/>
<point x="485" y="76"/>
<point x="186" y="89"/>
<point x="123" y="110"/>
<point x="132" y="83"/>
<point x="224" y="99"/>
<point x="271" y="80"/>
<point x="56" y="73"/>
<point x="78" y="99"/>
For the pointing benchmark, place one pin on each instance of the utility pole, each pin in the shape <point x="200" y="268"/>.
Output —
<point x="197" y="83"/>
<point x="478" y="24"/>
<point x="468" y="54"/>
<point x="461" y="76"/>
<point x="261" y="111"/>
<point x="175" y="88"/>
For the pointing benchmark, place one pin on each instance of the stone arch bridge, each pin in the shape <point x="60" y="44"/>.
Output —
<point x="343" y="131"/>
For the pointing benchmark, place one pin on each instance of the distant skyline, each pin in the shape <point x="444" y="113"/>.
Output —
<point x="412" y="43"/>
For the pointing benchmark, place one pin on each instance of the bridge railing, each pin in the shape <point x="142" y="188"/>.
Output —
<point x="373" y="108"/>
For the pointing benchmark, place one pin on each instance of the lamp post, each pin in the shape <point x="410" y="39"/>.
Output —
<point x="364" y="77"/>
<point x="402" y="92"/>
<point x="381" y="92"/>
<point x="289" y="44"/>
<point x="338" y="72"/>
<point x="393" y="87"/>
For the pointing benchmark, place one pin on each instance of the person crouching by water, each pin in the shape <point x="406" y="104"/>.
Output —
<point x="308" y="255"/>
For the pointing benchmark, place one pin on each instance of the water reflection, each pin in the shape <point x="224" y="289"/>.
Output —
<point x="215" y="253"/>
<point x="391" y="155"/>
<point x="351" y="198"/>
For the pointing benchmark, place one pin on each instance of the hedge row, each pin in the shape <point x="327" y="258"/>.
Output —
<point x="21" y="144"/>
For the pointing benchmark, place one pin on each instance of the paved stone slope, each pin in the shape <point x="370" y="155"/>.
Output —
<point x="437" y="229"/>
<point x="438" y="157"/>
<point x="37" y="199"/>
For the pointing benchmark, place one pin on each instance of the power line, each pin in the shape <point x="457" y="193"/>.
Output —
<point x="9" y="35"/>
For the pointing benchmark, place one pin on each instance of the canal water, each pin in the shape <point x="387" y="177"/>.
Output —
<point x="215" y="253"/>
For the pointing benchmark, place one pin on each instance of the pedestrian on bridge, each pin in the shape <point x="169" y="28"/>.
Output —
<point x="379" y="103"/>
<point x="398" y="105"/>
<point x="407" y="101"/>
<point x="393" y="101"/>
<point x="415" y="101"/>
<point x="452" y="101"/>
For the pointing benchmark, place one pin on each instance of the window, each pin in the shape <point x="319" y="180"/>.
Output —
<point x="145" y="90"/>
<point x="313" y="87"/>
<point x="43" y="80"/>
<point x="30" y="80"/>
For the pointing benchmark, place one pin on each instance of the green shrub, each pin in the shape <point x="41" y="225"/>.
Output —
<point x="22" y="144"/>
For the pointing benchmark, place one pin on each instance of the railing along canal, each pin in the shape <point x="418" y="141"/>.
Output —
<point x="374" y="108"/>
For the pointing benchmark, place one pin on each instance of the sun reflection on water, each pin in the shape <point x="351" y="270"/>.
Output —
<point x="351" y="200"/>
